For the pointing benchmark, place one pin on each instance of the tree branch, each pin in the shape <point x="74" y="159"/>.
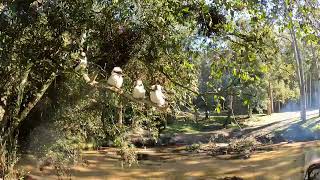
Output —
<point x="131" y="98"/>
<point x="39" y="95"/>
<point x="177" y="83"/>
<point x="21" y="88"/>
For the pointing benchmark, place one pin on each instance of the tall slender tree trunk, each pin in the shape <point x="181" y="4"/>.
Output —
<point x="120" y="111"/>
<point x="318" y="85"/>
<point x="300" y="73"/>
<point x="270" y="105"/>
<point x="318" y="93"/>
<point x="307" y="91"/>
<point x="230" y="110"/>
<point x="315" y="59"/>
<point x="299" y="63"/>
<point x="310" y="90"/>
<point x="249" y="111"/>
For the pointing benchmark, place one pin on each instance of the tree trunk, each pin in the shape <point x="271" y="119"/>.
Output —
<point x="270" y="104"/>
<point x="317" y="82"/>
<point x="299" y="62"/>
<point x="319" y="94"/>
<point x="230" y="110"/>
<point x="318" y="79"/>
<point x="279" y="106"/>
<point x="307" y="91"/>
<point x="120" y="111"/>
<point x="249" y="111"/>
<point x="39" y="95"/>
<point x="18" y="118"/>
<point x="310" y="91"/>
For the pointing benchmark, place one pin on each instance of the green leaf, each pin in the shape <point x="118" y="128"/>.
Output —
<point x="218" y="108"/>
<point x="246" y="102"/>
<point x="185" y="10"/>
<point x="234" y="72"/>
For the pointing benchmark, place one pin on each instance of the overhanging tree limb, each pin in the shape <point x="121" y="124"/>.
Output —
<point x="37" y="98"/>
<point x="131" y="98"/>
<point x="21" y="88"/>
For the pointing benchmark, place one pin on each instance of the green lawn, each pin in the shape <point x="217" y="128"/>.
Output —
<point x="190" y="127"/>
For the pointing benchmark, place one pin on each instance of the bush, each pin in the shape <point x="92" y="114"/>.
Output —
<point x="243" y="145"/>
<point x="193" y="148"/>
<point x="8" y="160"/>
<point x="127" y="152"/>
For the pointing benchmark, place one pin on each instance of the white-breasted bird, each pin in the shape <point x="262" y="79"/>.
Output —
<point x="157" y="96"/>
<point x="139" y="92"/>
<point x="116" y="78"/>
<point x="82" y="63"/>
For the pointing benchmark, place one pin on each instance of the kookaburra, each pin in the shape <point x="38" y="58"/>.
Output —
<point x="82" y="63"/>
<point x="139" y="92"/>
<point x="116" y="78"/>
<point x="157" y="96"/>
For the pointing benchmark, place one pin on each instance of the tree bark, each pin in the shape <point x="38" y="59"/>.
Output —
<point x="37" y="98"/>
<point x="300" y="73"/>
<point x="310" y="90"/>
<point x="270" y="105"/>
<point x="18" y="118"/>
<point x="249" y="111"/>
<point x="307" y="91"/>
<point x="318" y="85"/>
<point x="230" y="110"/>
<point x="299" y="64"/>
<point x="317" y="88"/>
<point x="120" y="111"/>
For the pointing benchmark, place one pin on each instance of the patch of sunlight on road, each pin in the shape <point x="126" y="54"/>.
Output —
<point x="195" y="173"/>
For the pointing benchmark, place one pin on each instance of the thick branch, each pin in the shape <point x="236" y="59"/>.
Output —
<point x="177" y="83"/>
<point x="131" y="98"/>
<point x="39" y="95"/>
<point x="21" y="88"/>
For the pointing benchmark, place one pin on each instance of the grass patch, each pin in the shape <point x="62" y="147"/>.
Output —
<point x="183" y="127"/>
<point x="192" y="127"/>
<point x="316" y="128"/>
<point x="310" y="123"/>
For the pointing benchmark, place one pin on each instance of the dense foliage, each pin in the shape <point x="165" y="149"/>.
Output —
<point x="208" y="55"/>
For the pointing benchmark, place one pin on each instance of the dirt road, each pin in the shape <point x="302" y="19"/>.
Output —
<point x="285" y="161"/>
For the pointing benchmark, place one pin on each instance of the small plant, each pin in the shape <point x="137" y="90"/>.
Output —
<point x="193" y="148"/>
<point x="126" y="151"/>
<point x="244" y="145"/>
<point x="316" y="128"/>
<point x="8" y="159"/>
<point x="128" y="155"/>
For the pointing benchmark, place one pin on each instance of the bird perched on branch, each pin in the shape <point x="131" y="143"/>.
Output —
<point x="139" y="92"/>
<point x="116" y="78"/>
<point x="82" y="63"/>
<point x="157" y="96"/>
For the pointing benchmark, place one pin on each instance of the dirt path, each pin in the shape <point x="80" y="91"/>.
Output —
<point x="264" y="125"/>
<point x="286" y="161"/>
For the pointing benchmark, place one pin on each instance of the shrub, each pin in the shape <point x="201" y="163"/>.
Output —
<point x="245" y="145"/>
<point x="193" y="148"/>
